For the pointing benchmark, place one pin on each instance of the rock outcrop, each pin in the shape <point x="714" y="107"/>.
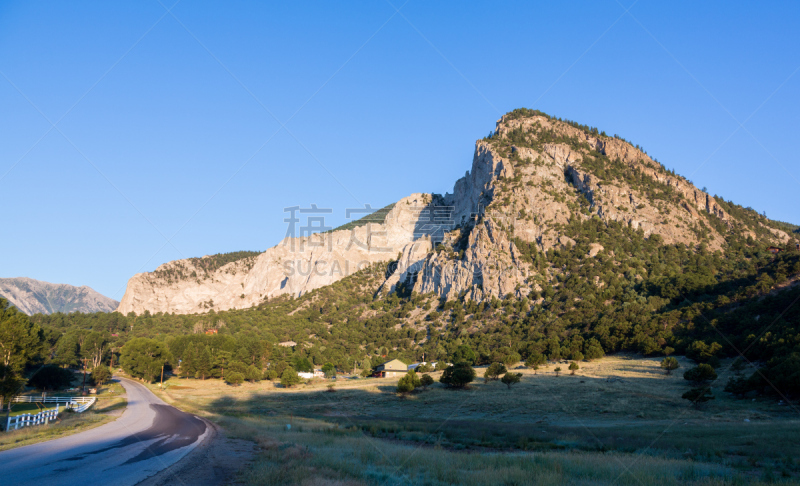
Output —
<point x="527" y="182"/>
<point x="36" y="297"/>
<point x="293" y="267"/>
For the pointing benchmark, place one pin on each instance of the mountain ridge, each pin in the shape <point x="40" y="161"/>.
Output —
<point x="529" y="180"/>
<point x="32" y="296"/>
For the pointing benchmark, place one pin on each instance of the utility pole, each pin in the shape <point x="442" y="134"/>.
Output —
<point x="162" y="376"/>
<point x="84" y="377"/>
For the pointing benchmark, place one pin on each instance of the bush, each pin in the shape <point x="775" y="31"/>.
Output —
<point x="289" y="377"/>
<point x="234" y="378"/>
<point x="329" y="370"/>
<point x="51" y="377"/>
<point x="101" y="375"/>
<point x="271" y="375"/>
<point x="408" y="383"/>
<point x="511" y="379"/>
<point x="573" y="367"/>
<point x="670" y="364"/>
<point x="426" y="381"/>
<point x="252" y="374"/>
<point x="701" y="373"/>
<point x="424" y="368"/>
<point x="493" y="371"/>
<point x="458" y="375"/>
<point x="698" y="396"/>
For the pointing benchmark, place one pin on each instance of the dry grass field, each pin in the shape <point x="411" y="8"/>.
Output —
<point x="617" y="420"/>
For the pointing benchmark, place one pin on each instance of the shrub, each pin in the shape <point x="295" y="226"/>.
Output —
<point x="670" y="364"/>
<point x="698" y="396"/>
<point x="289" y="377"/>
<point x="424" y="368"/>
<point x="493" y="371"/>
<point x="408" y="383"/>
<point x="252" y="374"/>
<point x="701" y="373"/>
<point x="101" y="375"/>
<point x="573" y="367"/>
<point x="329" y="370"/>
<point x="426" y="381"/>
<point x="458" y="375"/>
<point x="511" y="379"/>
<point x="234" y="378"/>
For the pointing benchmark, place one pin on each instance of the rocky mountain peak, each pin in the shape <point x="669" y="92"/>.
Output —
<point x="36" y="297"/>
<point x="531" y="186"/>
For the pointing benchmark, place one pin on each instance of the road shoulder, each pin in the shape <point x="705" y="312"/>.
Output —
<point x="216" y="460"/>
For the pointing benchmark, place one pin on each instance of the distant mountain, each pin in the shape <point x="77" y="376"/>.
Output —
<point x="33" y="297"/>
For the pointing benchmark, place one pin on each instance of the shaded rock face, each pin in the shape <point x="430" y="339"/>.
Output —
<point x="36" y="297"/>
<point x="526" y="182"/>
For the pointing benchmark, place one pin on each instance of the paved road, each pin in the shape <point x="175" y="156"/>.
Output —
<point x="148" y="437"/>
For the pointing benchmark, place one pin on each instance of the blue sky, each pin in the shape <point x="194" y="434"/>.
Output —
<point x="186" y="132"/>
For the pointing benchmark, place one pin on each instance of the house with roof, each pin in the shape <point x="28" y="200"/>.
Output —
<point x="390" y="369"/>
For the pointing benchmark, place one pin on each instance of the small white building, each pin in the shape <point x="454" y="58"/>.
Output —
<point x="306" y="375"/>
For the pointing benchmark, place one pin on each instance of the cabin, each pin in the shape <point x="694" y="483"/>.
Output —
<point x="210" y="332"/>
<point x="390" y="369"/>
<point x="774" y="250"/>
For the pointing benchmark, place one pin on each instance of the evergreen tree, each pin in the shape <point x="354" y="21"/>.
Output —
<point x="289" y="377"/>
<point x="670" y="364"/>
<point x="510" y="379"/>
<point x="204" y="364"/>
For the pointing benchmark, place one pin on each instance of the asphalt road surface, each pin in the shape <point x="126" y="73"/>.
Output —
<point x="148" y="437"/>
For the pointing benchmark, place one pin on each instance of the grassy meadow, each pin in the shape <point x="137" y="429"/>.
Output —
<point x="618" y="420"/>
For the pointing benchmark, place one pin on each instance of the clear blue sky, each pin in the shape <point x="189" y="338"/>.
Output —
<point x="169" y="125"/>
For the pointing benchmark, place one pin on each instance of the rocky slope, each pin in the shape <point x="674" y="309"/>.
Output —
<point x="294" y="266"/>
<point x="35" y="297"/>
<point x="528" y="181"/>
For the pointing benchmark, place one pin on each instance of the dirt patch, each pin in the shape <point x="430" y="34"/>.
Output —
<point x="216" y="461"/>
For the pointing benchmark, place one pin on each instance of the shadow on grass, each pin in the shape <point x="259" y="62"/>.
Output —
<point x="529" y="417"/>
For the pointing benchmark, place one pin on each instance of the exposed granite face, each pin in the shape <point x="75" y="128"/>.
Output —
<point x="294" y="266"/>
<point x="36" y="297"/>
<point x="531" y="177"/>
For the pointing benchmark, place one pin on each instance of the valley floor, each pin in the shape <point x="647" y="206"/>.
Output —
<point x="618" y="420"/>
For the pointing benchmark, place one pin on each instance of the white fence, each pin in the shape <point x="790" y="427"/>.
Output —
<point x="78" y="404"/>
